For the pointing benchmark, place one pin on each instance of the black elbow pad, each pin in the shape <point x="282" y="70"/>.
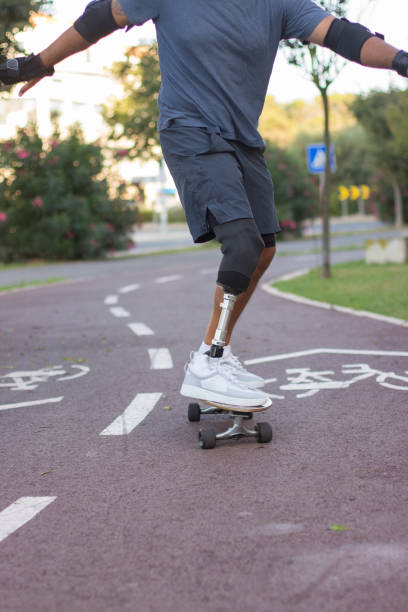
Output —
<point x="97" y="21"/>
<point x="347" y="39"/>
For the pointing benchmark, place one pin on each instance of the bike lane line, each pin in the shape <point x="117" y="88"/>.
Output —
<point x="160" y="359"/>
<point x="120" y="312"/>
<point x="20" y="513"/>
<point x="111" y="300"/>
<point x="140" y="329"/>
<point x="134" y="414"/>
<point x="51" y="400"/>
<point x="129" y="288"/>
<point x="168" y="279"/>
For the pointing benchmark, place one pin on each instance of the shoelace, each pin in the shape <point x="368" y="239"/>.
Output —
<point x="227" y="372"/>
<point x="235" y="362"/>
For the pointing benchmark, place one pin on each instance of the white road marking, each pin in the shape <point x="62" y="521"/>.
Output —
<point x="51" y="400"/>
<point x="134" y="414"/>
<point x="140" y="329"/>
<point x="129" y="288"/>
<point x="168" y="279"/>
<point x="327" y="351"/>
<point x="19" y="513"/>
<point x="120" y="312"/>
<point x="160" y="359"/>
<point x="209" y="271"/>
<point x="345" y="310"/>
<point x="110" y="300"/>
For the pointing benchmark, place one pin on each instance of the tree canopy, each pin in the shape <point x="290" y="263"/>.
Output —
<point x="15" y="17"/>
<point x="134" y="116"/>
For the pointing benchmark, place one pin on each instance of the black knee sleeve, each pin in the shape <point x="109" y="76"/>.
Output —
<point x="241" y="245"/>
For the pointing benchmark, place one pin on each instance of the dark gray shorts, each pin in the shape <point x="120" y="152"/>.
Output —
<point x="218" y="178"/>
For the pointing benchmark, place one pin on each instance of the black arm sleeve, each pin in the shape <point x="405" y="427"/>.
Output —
<point x="97" y="21"/>
<point x="347" y="39"/>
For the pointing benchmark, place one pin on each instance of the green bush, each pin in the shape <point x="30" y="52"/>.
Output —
<point x="296" y="192"/>
<point x="53" y="203"/>
<point x="176" y="214"/>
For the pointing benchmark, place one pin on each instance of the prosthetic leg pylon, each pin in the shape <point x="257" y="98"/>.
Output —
<point x="218" y="343"/>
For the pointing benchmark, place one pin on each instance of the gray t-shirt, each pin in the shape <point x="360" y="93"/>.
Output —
<point x="216" y="57"/>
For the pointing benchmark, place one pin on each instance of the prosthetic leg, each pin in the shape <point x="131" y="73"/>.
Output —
<point x="241" y="245"/>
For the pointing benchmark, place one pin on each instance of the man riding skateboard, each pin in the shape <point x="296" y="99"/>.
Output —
<point x="216" y="59"/>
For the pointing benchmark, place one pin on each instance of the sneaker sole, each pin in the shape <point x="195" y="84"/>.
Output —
<point x="213" y="396"/>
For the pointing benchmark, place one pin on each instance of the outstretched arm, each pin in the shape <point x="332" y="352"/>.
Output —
<point x="358" y="44"/>
<point x="101" y="17"/>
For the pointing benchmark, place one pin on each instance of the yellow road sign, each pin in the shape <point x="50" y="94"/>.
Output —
<point x="344" y="193"/>
<point x="365" y="192"/>
<point x="354" y="192"/>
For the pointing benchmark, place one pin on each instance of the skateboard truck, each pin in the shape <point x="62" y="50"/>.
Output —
<point x="208" y="437"/>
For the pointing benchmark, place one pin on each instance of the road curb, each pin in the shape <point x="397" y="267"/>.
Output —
<point x="42" y="285"/>
<point x="344" y="309"/>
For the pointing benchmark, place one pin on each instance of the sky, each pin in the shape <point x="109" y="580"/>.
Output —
<point x="390" y="17"/>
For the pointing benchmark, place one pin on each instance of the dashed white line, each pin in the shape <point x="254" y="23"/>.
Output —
<point x="51" y="400"/>
<point x="119" y="312"/>
<point x="110" y="300"/>
<point x="160" y="359"/>
<point x="134" y="414"/>
<point x="168" y="279"/>
<point x="140" y="329"/>
<point x="209" y="271"/>
<point x="129" y="288"/>
<point x="19" y="513"/>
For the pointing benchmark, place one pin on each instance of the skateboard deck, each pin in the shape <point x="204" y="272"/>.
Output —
<point x="248" y="409"/>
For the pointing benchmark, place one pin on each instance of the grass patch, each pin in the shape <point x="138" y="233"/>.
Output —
<point x="382" y="289"/>
<point x="33" y="283"/>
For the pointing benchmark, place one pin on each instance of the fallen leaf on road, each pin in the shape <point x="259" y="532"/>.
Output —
<point x="166" y="407"/>
<point x="45" y="473"/>
<point x="338" y="528"/>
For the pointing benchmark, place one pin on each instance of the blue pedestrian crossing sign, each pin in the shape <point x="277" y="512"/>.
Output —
<point x="316" y="158"/>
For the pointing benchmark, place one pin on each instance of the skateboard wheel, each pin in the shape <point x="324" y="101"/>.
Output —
<point x="207" y="438"/>
<point x="264" y="432"/>
<point x="194" y="413"/>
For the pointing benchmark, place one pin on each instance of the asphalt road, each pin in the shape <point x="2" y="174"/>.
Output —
<point x="107" y="501"/>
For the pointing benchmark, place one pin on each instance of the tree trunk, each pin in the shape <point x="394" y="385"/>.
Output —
<point x="325" y="191"/>
<point x="399" y="220"/>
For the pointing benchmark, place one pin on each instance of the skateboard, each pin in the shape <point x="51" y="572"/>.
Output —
<point x="239" y="414"/>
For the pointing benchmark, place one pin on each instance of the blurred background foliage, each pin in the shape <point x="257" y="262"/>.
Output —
<point x="55" y="202"/>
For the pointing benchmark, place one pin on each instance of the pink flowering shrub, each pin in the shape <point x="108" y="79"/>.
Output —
<point x="54" y="205"/>
<point x="296" y="193"/>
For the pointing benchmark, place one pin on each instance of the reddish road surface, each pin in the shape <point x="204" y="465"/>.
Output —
<point x="107" y="501"/>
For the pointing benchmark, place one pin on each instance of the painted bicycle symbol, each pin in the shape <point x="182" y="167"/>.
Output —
<point x="306" y="382"/>
<point x="29" y="380"/>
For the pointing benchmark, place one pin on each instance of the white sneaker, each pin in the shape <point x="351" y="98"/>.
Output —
<point x="208" y="379"/>
<point x="243" y="376"/>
